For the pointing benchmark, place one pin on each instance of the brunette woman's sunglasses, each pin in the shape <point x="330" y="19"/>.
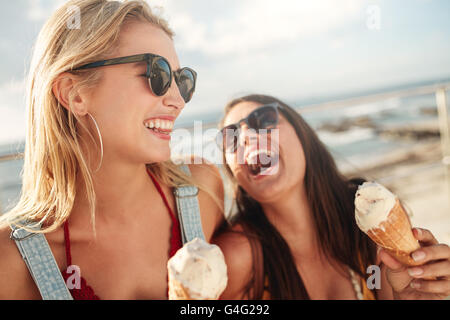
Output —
<point x="265" y="117"/>
<point x="158" y="73"/>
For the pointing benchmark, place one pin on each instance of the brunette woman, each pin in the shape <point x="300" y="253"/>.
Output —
<point x="295" y="236"/>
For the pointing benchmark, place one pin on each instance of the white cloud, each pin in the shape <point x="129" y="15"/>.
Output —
<point x="257" y="24"/>
<point x="35" y="11"/>
<point x="245" y="37"/>
<point x="40" y="10"/>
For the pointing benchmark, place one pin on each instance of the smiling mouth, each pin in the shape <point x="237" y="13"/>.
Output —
<point x="160" y="126"/>
<point x="259" y="162"/>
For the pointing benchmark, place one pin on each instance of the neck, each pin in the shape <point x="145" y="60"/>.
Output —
<point x="121" y="190"/>
<point x="291" y="215"/>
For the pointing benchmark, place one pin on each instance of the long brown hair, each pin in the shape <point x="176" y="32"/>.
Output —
<point x="331" y="198"/>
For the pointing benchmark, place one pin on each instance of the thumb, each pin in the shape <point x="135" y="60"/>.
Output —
<point x="396" y="272"/>
<point x="390" y="262"/>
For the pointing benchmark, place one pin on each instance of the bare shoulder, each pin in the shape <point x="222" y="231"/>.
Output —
<point x="238" y="256"/>
<point x="210" y="201"/>
<point x="17" y="283"/>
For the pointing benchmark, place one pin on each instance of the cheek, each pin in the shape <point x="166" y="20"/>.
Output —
<point x="292" y="152"/>
<point x="121" y="105"/>
<point x="237" y="170"/>
<point x="231" y="161"/>
<point x="118" y="93"/>
<point x="109" y="102"/>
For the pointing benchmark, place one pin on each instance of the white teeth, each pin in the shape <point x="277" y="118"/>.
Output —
<point x="159" y="124"/>
<point x="252" y="157"/>
<point x="255" y="153"/>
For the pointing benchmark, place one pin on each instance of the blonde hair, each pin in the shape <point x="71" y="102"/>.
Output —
<point x="53" y="154"/>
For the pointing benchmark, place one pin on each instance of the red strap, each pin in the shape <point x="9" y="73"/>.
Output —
<point x="67" y="242"/>
<point x="175" y="239"/>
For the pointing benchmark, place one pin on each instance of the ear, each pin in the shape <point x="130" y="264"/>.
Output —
<point x="63" y="87"/>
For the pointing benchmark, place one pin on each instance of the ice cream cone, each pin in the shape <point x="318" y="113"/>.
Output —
<point x="197" y="272"/>
<point x="177" y="291"/>
<point x="395" y="235"/>
<point x="380" y="215"/>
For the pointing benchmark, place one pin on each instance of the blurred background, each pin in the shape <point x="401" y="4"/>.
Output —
<point x="372" y="77"/>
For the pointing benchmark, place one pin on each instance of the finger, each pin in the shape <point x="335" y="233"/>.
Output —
<point x="390" y="262"/>
<point x="424" y="236"/>
<point x="398" y="280"/>
<point x="432" y="286"/>
<point x="430" y="253"/>
<point x="432" y="270"/>
<point x="377" y="259"/>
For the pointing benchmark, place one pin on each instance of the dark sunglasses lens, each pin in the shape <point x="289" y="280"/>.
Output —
<point x="263" y="118"/>
<point x="186" y="84"/>
<point x="228" y="139"/>
<point x="160" y="76"/>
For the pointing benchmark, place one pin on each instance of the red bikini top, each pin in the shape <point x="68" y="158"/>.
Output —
<point x="86" y="292"/>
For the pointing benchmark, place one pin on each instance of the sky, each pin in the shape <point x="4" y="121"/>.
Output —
<point x="293" y="49"/>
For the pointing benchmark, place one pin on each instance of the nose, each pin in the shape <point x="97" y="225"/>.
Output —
<point x="247" y="136"/>
<point x="173" y="97"/>
<point x="248" y="139"/>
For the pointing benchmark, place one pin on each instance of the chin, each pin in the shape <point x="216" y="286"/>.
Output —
<point x="263" y="191"/>
<point x="272" y="188"/>
<point x="157" y="155"/>
<point x="266" y="194"/>
<point x="161" y="158"/>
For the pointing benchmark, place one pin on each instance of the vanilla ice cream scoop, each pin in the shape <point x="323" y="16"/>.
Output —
<point x="197" y="271"/>
<point x="373" y="202"/>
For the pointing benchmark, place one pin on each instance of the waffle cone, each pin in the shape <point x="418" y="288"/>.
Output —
<point x="395" y="235"/>
<point x="177" y="291"/>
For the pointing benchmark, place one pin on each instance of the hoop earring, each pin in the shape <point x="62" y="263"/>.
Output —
<point x="101" y="142"/>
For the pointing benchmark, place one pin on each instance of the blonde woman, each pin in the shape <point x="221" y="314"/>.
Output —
<point x="102" y="99"/>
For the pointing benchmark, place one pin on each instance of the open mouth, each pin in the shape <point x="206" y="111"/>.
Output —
<point x="259" y="162"/>
<point x="160" y="126"/>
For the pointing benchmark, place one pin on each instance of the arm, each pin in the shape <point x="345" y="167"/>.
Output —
<point x="16" y="281"/>
<point x="211" y="210"/>
<point x="238" y="257"/>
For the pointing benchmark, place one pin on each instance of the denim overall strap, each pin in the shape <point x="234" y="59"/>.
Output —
<point x="188" y="210"/>
<point x="43" y="268"/>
